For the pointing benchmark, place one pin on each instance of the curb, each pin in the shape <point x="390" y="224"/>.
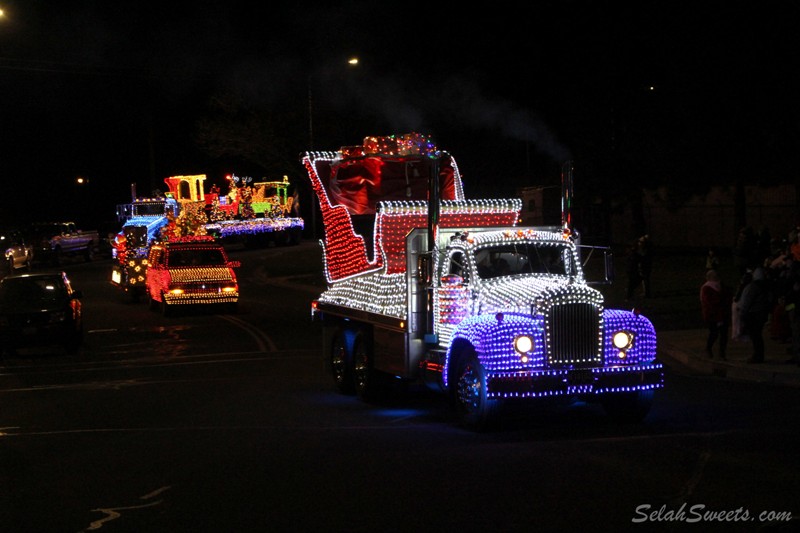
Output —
<point x="739" y="371"/>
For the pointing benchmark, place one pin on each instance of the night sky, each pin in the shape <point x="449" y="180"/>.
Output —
<point x="636" y="94"/>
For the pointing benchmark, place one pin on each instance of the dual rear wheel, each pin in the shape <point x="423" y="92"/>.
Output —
<point x="352" y="365"/>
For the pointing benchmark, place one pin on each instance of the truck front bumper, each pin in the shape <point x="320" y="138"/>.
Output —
<point x="580" y="381"/>
<point x="201" y="298"/>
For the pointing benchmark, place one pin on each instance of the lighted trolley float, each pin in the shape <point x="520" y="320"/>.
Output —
<point x="424" y="284"/>
<point x="253" y="213"/>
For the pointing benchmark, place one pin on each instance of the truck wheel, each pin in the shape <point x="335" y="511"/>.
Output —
<point x="88" y="254"/>
<point x="341" y="362"/>
<point x="367" y="380"/>
<point x="628" y="406"/>
<point x="474" y="409"/>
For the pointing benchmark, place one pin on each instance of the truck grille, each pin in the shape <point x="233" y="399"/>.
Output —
<point x="574" y="334"/>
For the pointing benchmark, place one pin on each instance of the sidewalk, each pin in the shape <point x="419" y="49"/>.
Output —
<point x="687" y="348"/>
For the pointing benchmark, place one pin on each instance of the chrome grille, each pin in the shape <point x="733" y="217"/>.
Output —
<point x="574" y="334"/>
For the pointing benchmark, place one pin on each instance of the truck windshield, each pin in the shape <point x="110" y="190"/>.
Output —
<point x="153" y="209"/>
<point x="196" y="257"/>
<point x="524" y="258"/>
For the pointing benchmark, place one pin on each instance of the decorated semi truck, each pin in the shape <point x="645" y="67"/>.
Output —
<point x="424" y="284"/>
<point x="255" y="212"/>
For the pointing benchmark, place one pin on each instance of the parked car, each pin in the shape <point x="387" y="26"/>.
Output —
<point x="18" y="253"/>
<point x="54" y="240"/>
<point x="39" y="310"/>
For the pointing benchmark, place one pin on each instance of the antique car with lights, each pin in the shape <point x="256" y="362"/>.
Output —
<point x="191" y="271"/>
<point x="456" y="295"/>
<point x="40" y="310"/>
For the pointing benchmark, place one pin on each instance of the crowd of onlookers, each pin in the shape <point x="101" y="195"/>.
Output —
<point x="767" y="296"/>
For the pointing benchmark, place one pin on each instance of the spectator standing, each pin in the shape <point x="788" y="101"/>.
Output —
<point x="633" y="271"/>
<point x="745" y="250"/>
<point x="792" y="302"/>
<point x="763" y="244"/>
<point x="737" y="328"/>
<point x="712" y="260"/>
<point x="794" y="245"/>
<point x="754" y="308"/>
<point x="715" y="303"/>
<point x="645" y="251"/>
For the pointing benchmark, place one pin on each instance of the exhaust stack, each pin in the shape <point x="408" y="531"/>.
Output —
<point x="567" y="170"/>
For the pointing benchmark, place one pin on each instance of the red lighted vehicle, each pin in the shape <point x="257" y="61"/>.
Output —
<point x="191" y="271"/>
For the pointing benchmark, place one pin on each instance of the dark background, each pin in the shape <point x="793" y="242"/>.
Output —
<point x="688" y="95"/>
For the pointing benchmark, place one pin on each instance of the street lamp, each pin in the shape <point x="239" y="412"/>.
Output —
<point x="352" y="62"/>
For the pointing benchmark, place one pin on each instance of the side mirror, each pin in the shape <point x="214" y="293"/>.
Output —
<point x="234" y="264"/>
<point x="597" y="264"/>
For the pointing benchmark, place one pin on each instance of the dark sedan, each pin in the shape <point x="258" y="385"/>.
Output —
<point x="40" y="310"/>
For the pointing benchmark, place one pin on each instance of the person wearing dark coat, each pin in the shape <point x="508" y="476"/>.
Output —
<point x="715" y="303"/>
<point x="633" y="271"/>
<point x="754" y="308"/>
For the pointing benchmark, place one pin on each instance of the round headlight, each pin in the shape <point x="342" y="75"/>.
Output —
<point x="622" y="340"/>
<point x="523" y="344"/>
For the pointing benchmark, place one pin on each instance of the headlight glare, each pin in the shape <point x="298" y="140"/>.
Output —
<point x="523" y="344"/>
<point x="622" y="340"/>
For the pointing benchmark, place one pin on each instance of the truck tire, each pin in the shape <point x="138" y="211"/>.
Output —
<point x="341" y="364"/>
<point x="474" y="409"/>
<point x="88" y="253"/>
<point x="628" y="407"/>
<point x="368" y="381"/>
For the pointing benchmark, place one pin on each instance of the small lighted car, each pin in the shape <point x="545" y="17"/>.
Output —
<point x="191" y="272"/>
<point x="40" y="310"/>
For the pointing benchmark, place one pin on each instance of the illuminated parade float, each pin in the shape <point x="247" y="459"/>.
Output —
<point x="250" y="212"/>
<point x="424" y="284"/>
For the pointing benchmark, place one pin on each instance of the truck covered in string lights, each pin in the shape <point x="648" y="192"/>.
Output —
<point x="455" y="294"/>
<point x="250" y="211"/>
